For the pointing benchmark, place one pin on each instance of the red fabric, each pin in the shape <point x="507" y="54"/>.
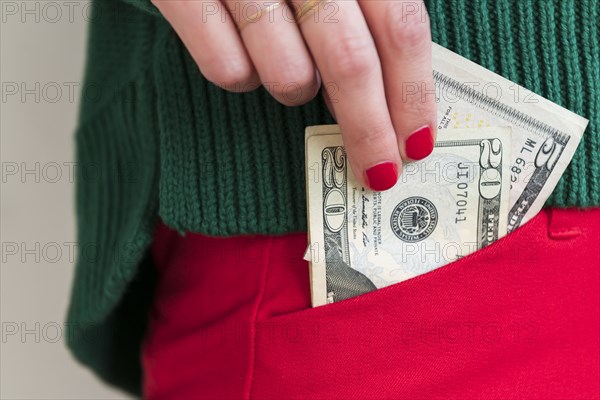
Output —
<point x="518" y="319"/>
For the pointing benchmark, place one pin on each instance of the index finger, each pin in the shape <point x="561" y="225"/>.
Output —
<point x="403" y="40"/>
<point x="345" y="54"/>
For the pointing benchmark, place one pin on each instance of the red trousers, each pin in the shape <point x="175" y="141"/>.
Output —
<point x="517" y="319"/>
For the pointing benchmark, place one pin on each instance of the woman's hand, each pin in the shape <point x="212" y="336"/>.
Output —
<point x="374" y="57"/>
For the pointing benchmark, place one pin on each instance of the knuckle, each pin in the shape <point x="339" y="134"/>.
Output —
<point x="293" y="74"/>
<point x="407" y="26"/>
<point x="293" y="82"/>
<point x="228" y="74"/>
<point x="352" y="55"/>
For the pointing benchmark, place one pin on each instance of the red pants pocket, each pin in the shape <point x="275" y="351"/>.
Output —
<point x="518" y="319"/>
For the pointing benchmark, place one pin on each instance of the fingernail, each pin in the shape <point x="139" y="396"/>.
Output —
<point x="382" y="176"/>
<point x="420" y="143"/>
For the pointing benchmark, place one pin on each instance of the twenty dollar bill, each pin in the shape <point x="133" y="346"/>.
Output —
<point x="444" y="207"/>
<point x="544" y="135"/>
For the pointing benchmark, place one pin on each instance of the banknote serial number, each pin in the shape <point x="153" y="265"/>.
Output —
<point x="462" y="172"/>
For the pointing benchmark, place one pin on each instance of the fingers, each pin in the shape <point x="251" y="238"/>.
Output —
<point x="383" y="97"/>
<point x="347" y="59"/>
<point x="277" y="49"/>
<point x="213" y="42"/>
<point x="403" y="39"/>
<point x="268" y="50"/>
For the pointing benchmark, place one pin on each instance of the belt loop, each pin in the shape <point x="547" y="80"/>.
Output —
<point x="562" y="223"/>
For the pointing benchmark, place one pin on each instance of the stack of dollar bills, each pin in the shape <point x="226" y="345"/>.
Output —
<point x="499" y="154"/>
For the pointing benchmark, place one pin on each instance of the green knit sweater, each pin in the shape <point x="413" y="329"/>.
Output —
<point x="155" y="139"/>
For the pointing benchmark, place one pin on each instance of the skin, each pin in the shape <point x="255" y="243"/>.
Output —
<point x="373" y="57"/>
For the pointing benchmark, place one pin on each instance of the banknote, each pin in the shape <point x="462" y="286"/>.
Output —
<point x="444" y="207"/>
<point x="544" y="135"/>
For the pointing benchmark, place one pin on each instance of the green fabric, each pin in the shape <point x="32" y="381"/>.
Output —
<point x="157" y="140"/>
<point x="145" y="5"/>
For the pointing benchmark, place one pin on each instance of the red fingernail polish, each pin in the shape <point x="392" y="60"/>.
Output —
<point x="382" y="176"/>
<point x="419" y="144"/>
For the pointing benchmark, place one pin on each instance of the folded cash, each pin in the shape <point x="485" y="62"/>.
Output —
<point x="444" y="207"/>
<point x="544" y="135"/>
<point x="500" y="152"/>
